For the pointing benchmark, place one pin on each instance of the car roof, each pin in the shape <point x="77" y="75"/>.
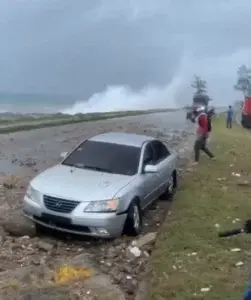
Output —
<point x="122" y="138"/>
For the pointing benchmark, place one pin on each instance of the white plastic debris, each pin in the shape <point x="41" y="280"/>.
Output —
<point x="192" y="254"/>
<point x="235" y="250"/>
<point x="217" y="226"/>
<point x="240" y="263"/>
<point x="204" y="290"/>
<point x="236" y="174"/>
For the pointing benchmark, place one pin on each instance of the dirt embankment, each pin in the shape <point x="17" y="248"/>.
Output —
<point x="36" y="265"/>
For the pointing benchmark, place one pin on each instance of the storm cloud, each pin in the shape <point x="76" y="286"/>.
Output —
<point x="144" y="49"/>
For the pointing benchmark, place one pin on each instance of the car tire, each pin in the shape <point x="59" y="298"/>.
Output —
<point x="171" y="188"/>
<point x="133" y="224"/>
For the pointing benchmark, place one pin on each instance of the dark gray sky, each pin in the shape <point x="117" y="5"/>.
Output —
<point x="83" y="46"/>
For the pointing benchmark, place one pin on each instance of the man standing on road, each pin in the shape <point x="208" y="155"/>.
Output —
<point x="202" y="132"/>
<point x="230" y="116"/>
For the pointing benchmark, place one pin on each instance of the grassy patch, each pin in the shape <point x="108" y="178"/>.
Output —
<point x="189" y="256"/>
<point x="59" y="120"/>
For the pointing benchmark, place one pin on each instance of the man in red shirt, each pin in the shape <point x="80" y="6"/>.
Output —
<point x="202" y="133"/>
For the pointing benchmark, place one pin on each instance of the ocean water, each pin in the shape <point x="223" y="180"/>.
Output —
<point x="34" y="103"/>
<point x="112" y="98"/>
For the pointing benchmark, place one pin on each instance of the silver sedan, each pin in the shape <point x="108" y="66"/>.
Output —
<point x="102" y="187"/>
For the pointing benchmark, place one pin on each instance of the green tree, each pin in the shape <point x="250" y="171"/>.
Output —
<point x="243" y="83"/>
<point x="200" y="96"/>
<point x="199" y="85"/>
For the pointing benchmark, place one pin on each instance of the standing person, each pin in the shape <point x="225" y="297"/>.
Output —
<point x="202" y="132"/>
<point x="210" y="114"/>
<point x="230" y="113"/>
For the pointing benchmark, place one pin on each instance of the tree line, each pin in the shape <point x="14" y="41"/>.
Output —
<point x="243" y="84"/>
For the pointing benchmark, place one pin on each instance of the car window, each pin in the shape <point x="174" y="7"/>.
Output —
<point x="148" y="157"/>
<point x="105" y="157"/>
<point x="160" y="151"/>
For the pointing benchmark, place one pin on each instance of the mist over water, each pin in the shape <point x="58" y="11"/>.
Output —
<point x="177" y="92"/>
<point x="122" y="98"/>
<point x="121" y="55"/>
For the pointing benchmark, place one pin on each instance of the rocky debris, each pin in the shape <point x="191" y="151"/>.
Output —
<point x="9" y="182"/>
<point x="45" y="246"/>
<point x="126" y="261"/>
<point x="146" y="239"/>
<point x="17" y="225"/>
<point x="133" y="252"/>
<point x="2" y="235"/>
<point x="23" y="251"/>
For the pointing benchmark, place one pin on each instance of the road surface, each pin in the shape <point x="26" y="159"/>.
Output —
<point x="42" y="147"/>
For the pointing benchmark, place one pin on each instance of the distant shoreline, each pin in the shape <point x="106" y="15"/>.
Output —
<point x="12" y="122"/>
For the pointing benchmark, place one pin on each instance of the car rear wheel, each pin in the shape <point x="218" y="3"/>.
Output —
<point x="133" y="224"/>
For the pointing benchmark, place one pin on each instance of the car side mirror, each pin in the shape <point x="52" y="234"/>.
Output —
<point x="63" y="154"/>
<point x="150" y="169"/>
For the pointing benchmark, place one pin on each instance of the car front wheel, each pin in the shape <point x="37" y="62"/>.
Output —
<point x="133" y="224"/>
<point x="171" y="188"/>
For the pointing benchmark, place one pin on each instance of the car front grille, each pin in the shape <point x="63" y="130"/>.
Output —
<point x="59" y="204"/>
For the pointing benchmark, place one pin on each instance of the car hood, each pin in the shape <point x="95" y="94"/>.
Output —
<point x="79" y="184"/>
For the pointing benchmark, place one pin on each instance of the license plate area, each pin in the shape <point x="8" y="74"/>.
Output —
<point x="55" y="220"/>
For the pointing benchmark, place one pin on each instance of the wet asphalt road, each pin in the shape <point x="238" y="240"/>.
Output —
<point x="35" y="150"/>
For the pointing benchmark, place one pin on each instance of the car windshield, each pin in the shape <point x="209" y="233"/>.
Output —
<point x="105" y="157"/>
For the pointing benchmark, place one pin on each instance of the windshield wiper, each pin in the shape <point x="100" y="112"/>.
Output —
<point x="94" y="168"/>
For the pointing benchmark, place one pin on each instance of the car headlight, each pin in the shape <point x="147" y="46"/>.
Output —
<point x="33" y="194"/>
<point x="103" y="206"/>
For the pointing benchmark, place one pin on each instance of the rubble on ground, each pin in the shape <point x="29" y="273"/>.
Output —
<point x="23" y="254"/>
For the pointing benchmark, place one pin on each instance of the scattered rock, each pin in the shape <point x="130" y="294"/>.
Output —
<point x="122" y="260"/>
<point x="133" y="252"/>
<point x="17" y="225"/>
<point x="45" y="246"/>
<point x="111" y="252"/>
<point x="146" y="239"/>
